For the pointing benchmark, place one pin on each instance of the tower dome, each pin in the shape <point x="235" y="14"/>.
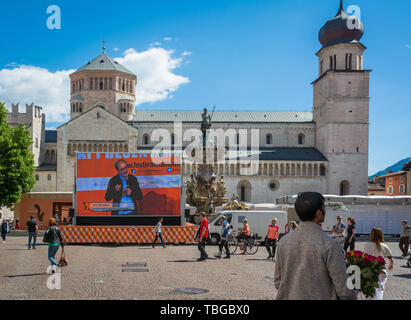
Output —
<point x="341" y="29"/>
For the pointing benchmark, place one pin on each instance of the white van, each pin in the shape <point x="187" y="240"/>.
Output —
<point x="257" y="220"/>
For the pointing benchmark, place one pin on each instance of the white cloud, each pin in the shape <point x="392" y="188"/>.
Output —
<point x="154" y="68"/>
<point x="167" y="39"/>
<point x="408" y="45"/>
<point x="116" y="49"/>
<point x="30" y="84"/>
<point x="186" y="53"/>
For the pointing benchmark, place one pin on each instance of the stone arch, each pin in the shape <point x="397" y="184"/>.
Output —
<point x="301" y="139"/>
<point x="344" y="188"/>
<point x="244" y="190"/>
<point x="269" y="139"/>
<point x="146" y="139"/>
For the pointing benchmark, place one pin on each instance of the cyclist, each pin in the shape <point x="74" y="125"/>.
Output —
<point x="225" y="232"/>
<point x="244" y="235"/>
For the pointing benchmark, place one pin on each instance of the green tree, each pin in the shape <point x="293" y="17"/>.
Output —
<point x="16" y="161"/>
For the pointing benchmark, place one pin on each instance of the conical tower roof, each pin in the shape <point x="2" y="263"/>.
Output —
<point x="104" y="63"/>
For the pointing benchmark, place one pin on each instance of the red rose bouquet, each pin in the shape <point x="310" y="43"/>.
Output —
<point x="371" y="267"/>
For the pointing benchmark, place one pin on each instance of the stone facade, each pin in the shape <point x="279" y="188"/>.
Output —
<point x="34" y="120"/>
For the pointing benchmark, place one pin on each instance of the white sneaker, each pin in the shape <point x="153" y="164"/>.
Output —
<point x="4" y="241"/>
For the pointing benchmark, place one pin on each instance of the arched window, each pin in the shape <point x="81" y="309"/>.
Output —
<point x="146" y="139"/>
<point x="244" y="190"/>
<point x="269" y="139"/>
<point x="242" y="196"/>
<point x="172" y="139"/>
<point x="301" y="139"/>
<point x="49" y="177"/>
<point x="37" y="177"/>
<point x="335" y="62"/>
<point x="47" y="155"/>
<point x="53" y="155"/>
<point x="331" y="62"/>
<point x="322" y="170"/>
<point x="238" y="138"/>
<point x="344" y="188"/>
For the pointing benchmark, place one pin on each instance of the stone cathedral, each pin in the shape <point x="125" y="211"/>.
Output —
<point x="325" y="150"/>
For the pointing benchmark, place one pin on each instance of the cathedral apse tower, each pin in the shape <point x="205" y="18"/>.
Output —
<point x="341" y="104"/>
<point x="106" y="83"/>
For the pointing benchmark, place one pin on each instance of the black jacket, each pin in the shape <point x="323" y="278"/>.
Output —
<point x="113" y="194"/>
<point x="55" y="236"/>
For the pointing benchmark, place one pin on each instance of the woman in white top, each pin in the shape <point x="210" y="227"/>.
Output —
<point x="377" y="248"/>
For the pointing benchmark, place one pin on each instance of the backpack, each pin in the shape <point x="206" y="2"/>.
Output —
<point x="48" y="235"/>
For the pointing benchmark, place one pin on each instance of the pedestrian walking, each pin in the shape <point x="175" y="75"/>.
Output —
<point x="272" y="238"/>
<point x="350" y="238"/>
<point x="54" y="238"/>
<point x="203" y="237"/>
<point x="33" y="232"/>
<point x="309" y="264"/>
<point x="377" y="248"/>
<point x="4" y="229"/>
<point x="293" y="226"/>
<point x="224" y="233"/>
<point x="157" y="231"/>
<point x="337" y="232"/>
<point x="405" y="238"/>
<point x="18" y="226"/>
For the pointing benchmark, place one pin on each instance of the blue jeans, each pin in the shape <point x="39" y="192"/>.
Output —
<point x="32" y="235"/>
<point x="52" y="252"/>
<point x="3" y="236"/>
<point x="158" y="235"/>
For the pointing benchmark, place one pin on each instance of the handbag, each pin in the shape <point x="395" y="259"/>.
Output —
<point x="63" y="260"/>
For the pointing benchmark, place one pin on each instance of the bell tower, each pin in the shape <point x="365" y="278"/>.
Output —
<point x="341" y="104"/>
<point x="106" y="83"/>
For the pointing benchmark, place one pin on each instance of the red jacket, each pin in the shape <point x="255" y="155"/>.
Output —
<point x="204" y="224"/>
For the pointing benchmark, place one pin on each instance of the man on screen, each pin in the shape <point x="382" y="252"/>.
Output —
<point x="124" y="190"/>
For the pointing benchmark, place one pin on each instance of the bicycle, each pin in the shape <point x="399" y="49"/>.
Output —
<point x="232" y="243"/>
<point x="250" y="245"/>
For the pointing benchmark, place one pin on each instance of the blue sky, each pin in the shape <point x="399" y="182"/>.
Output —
<point x="234" y="54"/>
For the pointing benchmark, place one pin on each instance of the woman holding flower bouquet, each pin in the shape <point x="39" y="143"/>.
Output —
<point x="377" y="248"/>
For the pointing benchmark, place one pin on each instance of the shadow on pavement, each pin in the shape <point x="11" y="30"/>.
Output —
<point x="405" y="276"/>
<point x="181" y="261"/>
<point x="26" y="275"/>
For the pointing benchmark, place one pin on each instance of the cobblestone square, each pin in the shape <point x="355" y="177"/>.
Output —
<point x="95" y="272"/>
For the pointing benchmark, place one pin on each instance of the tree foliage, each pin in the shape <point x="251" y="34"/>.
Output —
<point x="16" y="161"/>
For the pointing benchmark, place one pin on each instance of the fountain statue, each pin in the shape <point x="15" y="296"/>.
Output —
<point x="204" y="191"/>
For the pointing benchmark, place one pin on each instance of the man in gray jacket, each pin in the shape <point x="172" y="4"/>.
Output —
<point x="310" y="265"/>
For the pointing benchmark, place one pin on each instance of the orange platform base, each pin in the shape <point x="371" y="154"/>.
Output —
<point x="125" y="235"/>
